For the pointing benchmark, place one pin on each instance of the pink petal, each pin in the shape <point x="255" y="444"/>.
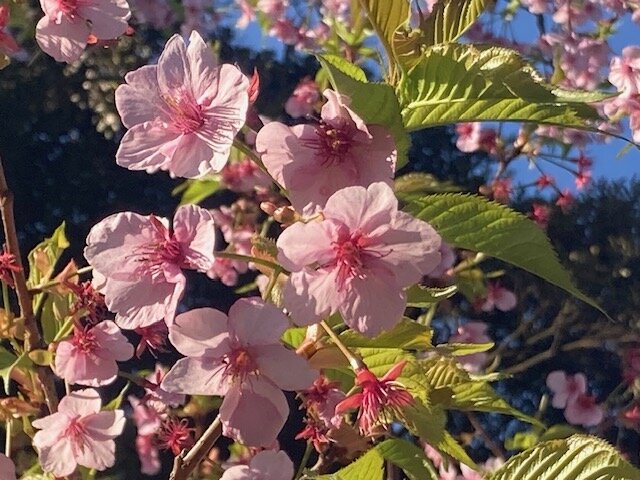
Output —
<point x="138" y="100"/>
<point x="192" y="158"/>
<point x="202" y="64"/>
<point x="202" y="331"/>
<point x="374" y="304"/>
<point x="283" y="367"/>
<point x="99" y="455"/>
<point x="113" y="344"/>
<point x="173" y="69"/>
<point x="272" y="465"/>
<point x="108" y="17"/>
<point x="506" y="300"/>
<point x="238" y="472"/>
<point x="254" y="322"/>
<point x="7" y="468"/>
<point x="81" y="402"/>
<point x="105" y="425"/>
<point x="194" y="228"/>
<point x="57" y="458"/>
<point x="255" y="414"/>
<point x="64" y="41"/>
<point x="147" y="146"/>
<point x="311" y="295"/>
<point x="196" y="376"/>
<point x="303" y="244"/>
<point x="363" y="208"/>
<point x="276" y="146"/>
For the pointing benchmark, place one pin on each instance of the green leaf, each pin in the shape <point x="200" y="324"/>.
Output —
<point x="419" y="184"/>
<point x="195" y="191"/>
<point x="481" y="397"/>
<point x="461" y="349"/>
<point x="447" y="22"/>
<point x="406" y="335"/>
<point x="294" y="336"/>
<point x="369" y="466"/>
<point x="116" y="403"/>
<point x="8" y="362"/>
<point x="474" y="223"/>
<point x="468" y="83"/>
<point x="41" y="357"/>
<point x="424" y="297"/>
<point x="43" y="258"/>
<point x="376" y="103"/>
<point x="411" y="459"/>
<point x="385" y="17"/>
<point x="580" y="457"/>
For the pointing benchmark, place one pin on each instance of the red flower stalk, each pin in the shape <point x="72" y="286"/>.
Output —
<point x="175" y="435"/>
<point x="8" y="266"/>
<point x="378" y="399"/>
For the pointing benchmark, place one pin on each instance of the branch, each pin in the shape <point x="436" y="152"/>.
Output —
<point x="32" y="338"/>
<point x="184" y="465"/>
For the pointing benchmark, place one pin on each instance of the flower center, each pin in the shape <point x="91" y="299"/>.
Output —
<point x="332" y="143"/>
<point x="75" y="433"/>
<point x="350" y="253"/>
<point x="239" y="364"/>
<point x="68" y="7"/>
<point x="84" y="340"/>
<point x="155" y="255"/>
<point x="186" y="113"/>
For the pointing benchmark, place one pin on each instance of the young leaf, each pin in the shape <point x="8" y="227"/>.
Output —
<point x="468" y="83"/>
<point x="43" y="258"/>
<point x="369" y="466"/>
<point x="406" y="335"/>
<point x="385" y="17"/>
<point x="411" y="459"/>
<point x="376" y="103"/>
<point x="580" y="457"/>
<point x="447" y="22"/>
<point x="195" y="191"/>
<point x="423" y="297"/>
<point x="471" y="222"/>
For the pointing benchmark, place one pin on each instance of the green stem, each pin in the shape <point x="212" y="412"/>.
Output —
<point x="54" y="283"/>
<point x="355" y="362"/>
<point x="64" y="330"/>
<point x="304" y="461"/>
<point x="248" y="259"/>
<point x="7" y="305"/>
<point x="256" y="158"/>
<point x="272" y="283"/>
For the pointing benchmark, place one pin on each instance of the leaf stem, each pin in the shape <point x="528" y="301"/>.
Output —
<point x="249" y="259"/>
<point x="304" y="461"/>
<point x="355" y="361"/>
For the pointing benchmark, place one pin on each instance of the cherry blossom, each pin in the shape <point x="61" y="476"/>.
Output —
<point x="303" y="100"/>
<point x="182" y="114"/>
<point x="472" y="332"/>
<point x="266" y="465"/>
<point x="8" y="266"/>
<point x="244" y="176"/>
<point x="7" y="468"/>
<point x="625" y="71"/>
<point x="175" y="435"/>
<point x="148" y="454"/>
<point x="138" y="261"/>
<point x="356" y="260"/>
<point x="565" y="388"/>
<point x="89" y="357"/>
<point x="78" y="434"/>
<point x="498" y="297"/>
<point x="240" y="357"/>
<point x="314" y="161"/>
<point x="379" y="398"/>
<point x="583" y="410"/>
<point x="8" y="45"/>
<point x="65" y="29"/>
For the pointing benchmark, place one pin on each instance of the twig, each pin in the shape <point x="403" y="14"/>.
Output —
<point x="184" y="465"/>
<point x="493" y="446"/>
<point x="32" y="337"/>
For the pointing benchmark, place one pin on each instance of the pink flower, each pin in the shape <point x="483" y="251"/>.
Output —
<point x="244" y="176"/>
<point x="239" y="357"/>
<point x="540" y="214"/>
<point x="501" y="190"/>
<point x="247" y="14"/>
<point x="468" y="137"/>
<point x="266" y="465"/>
<point x="156" y="393"/>
<point x="536" y="6"/>
<point x="625" y="71"/>
<point x="303" y="100"/>
<point x="582" y="410"/>
<point x="7" y="468"/>
<point x="148" y="454"/>
<point x="175" y="435"/>
<point x="544" y="181"/>
<point x="158" y="13"/>
<point x="565" y="200"/>
<point x="314" y="161"/>
<point x="565" y="388"/>
<point x="78" y="434"/>
<point x="182" y="114"/>
<point x="8" y="45"/>
<point x="472" y="332"/>
<point x="322" y="398"/>
<point x="274" y="9"/>
<point x="499" y="297"/>
<point x="153" y="338"/>
<point x="138" y="261"/>
<point x="147" y="415"/>
<point x="64" y="30"/>
<point x="8" y="266"/>
<point x="583" y="178"/>
<point x="357" y="260"/>
<point x="379" y="398"/>
<point x="90" y="356"/>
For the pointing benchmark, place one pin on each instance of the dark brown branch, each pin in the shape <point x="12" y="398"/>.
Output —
<point x="32" y="339"/>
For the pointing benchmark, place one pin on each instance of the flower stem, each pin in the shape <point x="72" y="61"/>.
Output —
<point x="7" y="305"/>
<point x="304" y="461"/>
<point x="248" y="259"/>
<point x="54" y="283"/>
<point x="7" y="440"/>
<point x="355" y="361"/>
<point x="185" y="464"/>
<point x="273" y="279"/>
